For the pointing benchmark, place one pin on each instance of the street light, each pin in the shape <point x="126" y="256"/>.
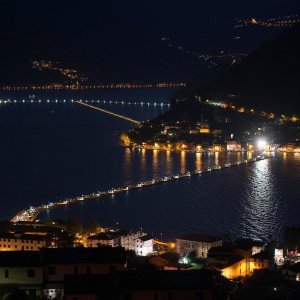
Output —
<point x="262" y="144"/>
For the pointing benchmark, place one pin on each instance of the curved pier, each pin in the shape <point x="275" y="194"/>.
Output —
<point x="30" y="214"/>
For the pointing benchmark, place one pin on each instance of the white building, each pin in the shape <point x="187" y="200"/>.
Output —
<point x="144" y="245"/>
<point x="139" y="242"/>
<point x="128" y="240"/>
<point x="199" y="243"/>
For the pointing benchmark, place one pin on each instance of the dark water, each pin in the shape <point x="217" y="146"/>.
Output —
<point x="52" y="151"/>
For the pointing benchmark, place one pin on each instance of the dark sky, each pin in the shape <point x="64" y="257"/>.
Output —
<point x="120" y="39"/>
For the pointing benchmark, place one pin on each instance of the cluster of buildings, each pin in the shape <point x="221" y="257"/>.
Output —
<point x="35" y="259"/>
<point x="233" y="260"/>
<point x="215" y="126"/>
<point x="238" y="259"/>
<point x="98" y="273"/>
<point x="139" y="242"/>
<point x="201" y="137"/>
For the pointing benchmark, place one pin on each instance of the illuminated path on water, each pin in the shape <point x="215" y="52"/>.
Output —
<point x="32" y="213"/>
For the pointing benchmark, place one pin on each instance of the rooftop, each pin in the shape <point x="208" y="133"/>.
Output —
<point x="101" y="255"/>
<point x="20" y="258"/>
<point x="216" y="251"/>
<point x="34" y="237"/>
<point x="139" y="280"/>
<point x="146" y="237"/>
<point x="232" y="260"/>
<point x="247" y="244"/>
<point x="199" y="238"/>
<point x="263" y="255"/>
<point x="107" y="235"/>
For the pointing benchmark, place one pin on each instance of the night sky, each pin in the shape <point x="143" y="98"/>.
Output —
<point x="121" y="40"/>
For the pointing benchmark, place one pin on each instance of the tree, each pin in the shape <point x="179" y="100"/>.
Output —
<point x="292" y="237"/>
<point x="172" y="256"/>
<point x="93" y="227"/>
<point x="74" y="225"/>
<point x="192" y="256"/>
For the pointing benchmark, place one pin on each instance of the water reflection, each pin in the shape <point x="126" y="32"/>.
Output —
<point x="198" y="161"/>
<point x="182" y="162"/>
<point x="143" y="164"/>
<point x="260" y="207"/>
<point x="249" y="155"/>
<point x="168" y="163"/>
<point x="127" y="165"/>
<point x="155" y="162"/>
<point x="216" y="158"/>
<point x="297" y="156"/>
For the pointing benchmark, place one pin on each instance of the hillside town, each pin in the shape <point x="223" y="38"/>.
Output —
<point x="43" y="260"/>
<point x="215" y="126"/>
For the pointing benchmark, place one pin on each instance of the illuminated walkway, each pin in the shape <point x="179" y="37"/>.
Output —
<point x="110" y="113"/>
<point x="106" y="102"/>
<point x="30" y="214"/>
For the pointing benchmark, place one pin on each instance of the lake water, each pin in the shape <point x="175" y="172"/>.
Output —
<point x="50" y="151"/>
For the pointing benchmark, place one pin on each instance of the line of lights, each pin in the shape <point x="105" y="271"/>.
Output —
<point x="141" y="103"/>
<point x="285" y="21"/>
<point x="209" y="58"/>
<point x="32" y="213"/>
<point x="241" y="109"/>
<point x="136" y="122"/>
<point x="95" y="86"/>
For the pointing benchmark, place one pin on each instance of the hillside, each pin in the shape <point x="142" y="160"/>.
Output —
<point x="268" y="79"/>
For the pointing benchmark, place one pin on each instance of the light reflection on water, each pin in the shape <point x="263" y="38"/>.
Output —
<point x="246" y="201"/>
<point x="260" y="204"/>
<point x="183" y="162"/>
<point x="169" y="164"/>
<point x="198" y="161"/>
<point x="73" y="151"/>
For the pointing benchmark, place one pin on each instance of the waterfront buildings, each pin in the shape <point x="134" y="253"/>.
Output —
<point x="233" y="146"/>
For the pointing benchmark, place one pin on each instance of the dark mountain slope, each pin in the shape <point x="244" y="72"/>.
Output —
<point x="269" y="79"/>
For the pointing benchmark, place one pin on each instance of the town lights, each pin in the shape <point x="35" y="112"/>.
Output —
<point x="262" y="145"/>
